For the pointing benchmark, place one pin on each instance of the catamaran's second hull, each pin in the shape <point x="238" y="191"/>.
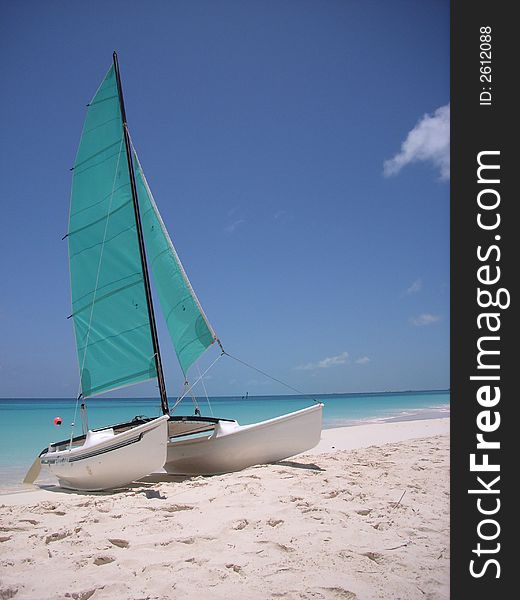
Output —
<point x="232" y="447"/>
<point x="109" y="460"/>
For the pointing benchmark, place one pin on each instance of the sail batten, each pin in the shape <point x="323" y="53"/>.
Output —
<point x="109" y="303"/>
<point x="100" y="151"/>
<point x="99" y="201"/>
<point x="105" y="217"/>
<point x="188" y="326"/>
<point x="107" y="296"/>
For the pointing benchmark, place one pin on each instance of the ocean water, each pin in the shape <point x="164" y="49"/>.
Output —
<point x="27" y="424"/>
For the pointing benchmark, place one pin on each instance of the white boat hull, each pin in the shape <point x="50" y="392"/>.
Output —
<point x="109" y="460"/>
<point x="232" y="447"/>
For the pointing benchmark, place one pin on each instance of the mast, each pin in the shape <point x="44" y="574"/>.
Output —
<point x="142" y="250"/>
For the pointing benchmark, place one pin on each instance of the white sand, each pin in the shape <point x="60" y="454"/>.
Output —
<point x="363" y="436"/>
<point x="339" y="523"/>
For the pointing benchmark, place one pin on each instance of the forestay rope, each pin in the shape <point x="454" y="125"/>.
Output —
<point x="205" y="392"/>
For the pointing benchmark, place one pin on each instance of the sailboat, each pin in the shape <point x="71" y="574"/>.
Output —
<point x="115" y="234"/>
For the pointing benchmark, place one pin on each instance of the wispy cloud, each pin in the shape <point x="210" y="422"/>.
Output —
<point x="364" y="360"/>
<point x="424" y="319"/>
<point x="415" y="287"/>
<point x="326" y="363"/>
<point x="282" y="217"/>
<point x="233" y="226"/>
<point x="428" y="141"/>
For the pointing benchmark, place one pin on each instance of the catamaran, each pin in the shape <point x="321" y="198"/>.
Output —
<point x="115" y="233"/>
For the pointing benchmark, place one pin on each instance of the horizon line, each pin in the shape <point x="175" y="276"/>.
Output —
<point x="229" y="396"/>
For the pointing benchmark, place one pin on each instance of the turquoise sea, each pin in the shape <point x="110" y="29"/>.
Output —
<point x="27" y="424"/>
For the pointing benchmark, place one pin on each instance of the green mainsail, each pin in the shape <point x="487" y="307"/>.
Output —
<point x="188" y="326"/>
<point x="109" y="305"/>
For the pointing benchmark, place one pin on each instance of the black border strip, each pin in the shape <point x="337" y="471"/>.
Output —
<point x="478" y="126"/>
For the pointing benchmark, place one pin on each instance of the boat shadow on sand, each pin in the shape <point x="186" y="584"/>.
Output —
<point x="145" y="485"/>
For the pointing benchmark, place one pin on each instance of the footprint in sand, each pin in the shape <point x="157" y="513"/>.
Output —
<point x="284" y="548"/>
<point x="14" y="528"/>
<point x="177" y="507"/>
<point x="189" y="540"/>
<point x="341" y="593"/>
<point x="235" y="568"/>
<point x="54" y="511"/>
<point x="8" y="592"/>
<point x="335" y="493"/>
<point x="274" y="522"/>
<point x="276" y="545"/>
<point x="197" y="561"/>
<point x="104" y="559"/>
<point x="119" y="542"/>
<point x="58" y="535"/>
<point x="374" y="556"/>
<point x="31" y="521"/>
<point x="172" y="508"/>
<point x="313" y="509"/>
<point x="82" y="595"/>
<point x="240" y="524"/>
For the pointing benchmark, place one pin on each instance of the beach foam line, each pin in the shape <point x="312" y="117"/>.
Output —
<point x="413" y="414"/>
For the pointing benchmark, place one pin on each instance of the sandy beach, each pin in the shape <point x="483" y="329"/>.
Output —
<point x="365" y="515"/>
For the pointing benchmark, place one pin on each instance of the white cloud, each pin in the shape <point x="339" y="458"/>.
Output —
<point x="424" y="319"/>
<point x="326" y="363"/>
<point x="233" y="226"/>
<point x="415" y="287"/>
<point x="428" y="141"/>
<point x="282" y="217"/>
<point x="364" y="360"/>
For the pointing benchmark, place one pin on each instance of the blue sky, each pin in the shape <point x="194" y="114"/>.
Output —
<point x="298" y="152"/>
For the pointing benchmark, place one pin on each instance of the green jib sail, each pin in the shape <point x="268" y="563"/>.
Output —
<point x="189" y="328"/>
<point x="108" y="296"/>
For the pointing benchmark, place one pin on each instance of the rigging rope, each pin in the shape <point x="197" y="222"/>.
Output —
<point x="195" y="403"/>
<point x="270" y="377"/>
<point x="242" y="362"/>
<point x="187" y="391"/>
<point x="205" y="391"/>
